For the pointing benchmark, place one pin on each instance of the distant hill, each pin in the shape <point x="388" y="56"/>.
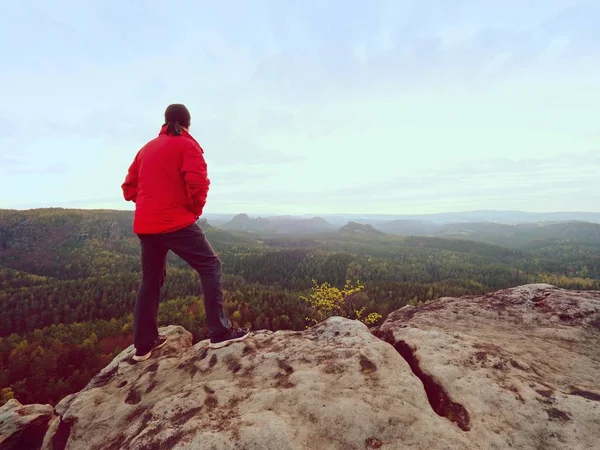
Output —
<point x="379" y="220"/>
<point x="242" y="222"/>
<point x="519" y="235"/>
<point x="410" y="227"/>
<point x="278" y="224"/>
<point x="506" y="217"/>
<point x="360" y="229"/>
<point x="57" y="242"/>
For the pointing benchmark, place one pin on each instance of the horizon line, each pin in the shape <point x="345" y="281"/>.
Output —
<point x="319" y="214"/>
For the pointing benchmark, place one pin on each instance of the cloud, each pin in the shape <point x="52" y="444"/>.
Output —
<point x="241" y="175"/>
<point x="578" y="23"/>
<point x="54" y="169"/>
<point x="534" y="179"/>
<point x="20" y="166"/>
<point x="8" y="162"/>
<point x="9" y="128"/>
<point x="234" y="143"/>
<point x="346" y="104"/>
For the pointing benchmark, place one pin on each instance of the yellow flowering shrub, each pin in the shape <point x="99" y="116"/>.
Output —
<point x="326" y="301"/>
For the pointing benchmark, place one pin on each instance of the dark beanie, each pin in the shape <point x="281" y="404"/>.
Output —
<point x="177" y="116"/>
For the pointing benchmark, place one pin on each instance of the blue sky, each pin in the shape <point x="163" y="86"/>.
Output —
<point x="308" y="106"/>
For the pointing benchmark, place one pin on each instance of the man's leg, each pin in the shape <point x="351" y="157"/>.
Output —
<point x="154" y="261"/>
<point x="192" y="246"/>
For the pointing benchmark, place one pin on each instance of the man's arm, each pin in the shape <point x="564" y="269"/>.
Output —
<point x="195" y="175"/>
<point x="130" y="185"/>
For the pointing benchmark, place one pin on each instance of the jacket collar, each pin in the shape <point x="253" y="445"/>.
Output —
<point x="163" y="132"/>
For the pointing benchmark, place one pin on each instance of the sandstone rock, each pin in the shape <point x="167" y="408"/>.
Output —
<point x="335" y="386"/>
<point x="518" y="368"/>
<point x="23" y="426"/>
<point x="522" y="364"/>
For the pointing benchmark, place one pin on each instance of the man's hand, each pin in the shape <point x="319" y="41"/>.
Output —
<point x="130" y="185"/>
<point x="195" y="175"/>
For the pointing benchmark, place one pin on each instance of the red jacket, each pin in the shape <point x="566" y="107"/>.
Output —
<point x="168" y="182"/>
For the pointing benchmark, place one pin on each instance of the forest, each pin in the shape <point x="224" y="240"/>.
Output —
<point x="68" y="281"/>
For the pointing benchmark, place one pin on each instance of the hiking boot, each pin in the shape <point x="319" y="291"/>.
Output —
<point x="144" y="353"/>
<point x="233" y="335"/>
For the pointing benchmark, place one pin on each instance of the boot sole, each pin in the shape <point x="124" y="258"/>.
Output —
<point x="227" y="342"/>
<point x="147" y="355"/>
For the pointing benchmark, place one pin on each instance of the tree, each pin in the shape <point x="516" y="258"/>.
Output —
<point x="6" y="394"/>
<point x="326" y="300"/>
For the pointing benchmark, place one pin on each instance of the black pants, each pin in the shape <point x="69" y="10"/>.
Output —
<point x="191" y="245"/>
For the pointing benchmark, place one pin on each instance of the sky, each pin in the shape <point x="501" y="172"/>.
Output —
<point x="308" y="106"/>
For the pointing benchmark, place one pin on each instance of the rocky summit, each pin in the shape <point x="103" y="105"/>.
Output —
<point x="518" y="368"/>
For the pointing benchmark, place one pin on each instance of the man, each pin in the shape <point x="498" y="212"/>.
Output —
<point x="168" y="182"/>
